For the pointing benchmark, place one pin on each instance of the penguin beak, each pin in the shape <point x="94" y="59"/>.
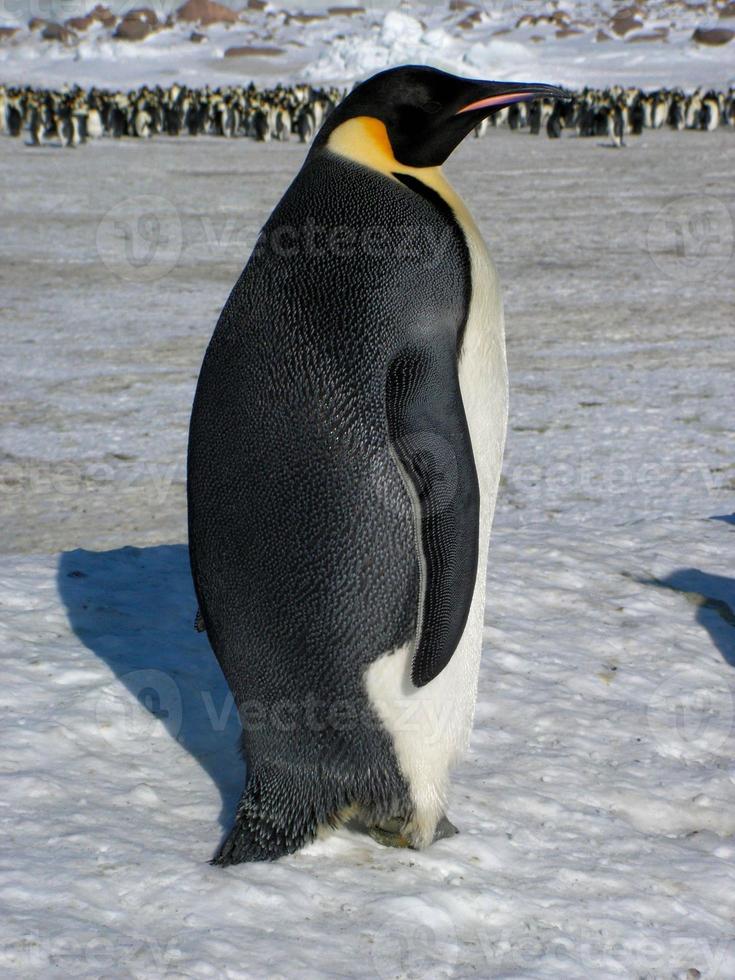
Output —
<point x="499" y="94"/>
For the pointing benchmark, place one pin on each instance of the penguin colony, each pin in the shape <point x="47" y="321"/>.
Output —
<point x="73" y="117"/>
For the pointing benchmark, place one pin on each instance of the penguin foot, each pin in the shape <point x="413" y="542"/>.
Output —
<point x="393" y="832"/>
<point x="444" y="828"/>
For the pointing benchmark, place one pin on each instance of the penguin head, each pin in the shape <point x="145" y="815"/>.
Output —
<point x="427" y="112"/>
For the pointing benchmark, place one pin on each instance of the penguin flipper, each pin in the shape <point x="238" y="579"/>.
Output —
<point x="431" y="442"/>
<point x="199" y="622"/>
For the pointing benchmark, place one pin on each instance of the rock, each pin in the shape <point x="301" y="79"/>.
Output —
<point x="80" y="23"/>
<point x="602" y="36"/>
<point x="36" y="22"/>
<point x="57" y="32"/>
<point x="637" y="38"/>
<point x="256" y="4"/>
<point x="145" y="14"/>
<point x="467" y="23"/>
<point x="253" y="50"/>
<point x="345" y="11"/>
<point x="728" y="10"/>
<point x="568" y="32"/>
<point x="634" y="10"/>
<point x="196" y="38"/>
<point x="304" y="18"/>
<point x="132" y="28"/>
<point x="713" y="35"/>
<point x="206" y="12"/>
<point x="7" y="32"/>
<point x="455" y="5"/>
<point x="104" y="15"/>
<point x="622" y="25"/>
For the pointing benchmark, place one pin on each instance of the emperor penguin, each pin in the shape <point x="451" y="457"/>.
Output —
<point x="344" y="456"/>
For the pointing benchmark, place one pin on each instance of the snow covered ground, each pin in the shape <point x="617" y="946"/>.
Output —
<point x="576" y="43"/>
<point x="597" y="806"/>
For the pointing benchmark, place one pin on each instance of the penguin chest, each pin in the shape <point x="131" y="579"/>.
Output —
<point x="483" y="379"/>
<point x="430" y="726"/>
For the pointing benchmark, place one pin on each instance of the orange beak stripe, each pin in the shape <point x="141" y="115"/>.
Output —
<point x="499" y="100"/>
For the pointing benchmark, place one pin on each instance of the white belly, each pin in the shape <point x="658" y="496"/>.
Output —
<point x="431" y="725"/>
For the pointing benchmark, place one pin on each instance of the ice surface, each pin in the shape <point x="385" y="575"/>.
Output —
<point x="597" y="805"/>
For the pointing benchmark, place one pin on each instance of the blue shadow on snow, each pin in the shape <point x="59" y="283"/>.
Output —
<point x="714" y="598"/>
<point x="134" y="609"/>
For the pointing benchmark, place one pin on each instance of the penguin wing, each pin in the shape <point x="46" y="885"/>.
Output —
<point x="431" y="443"/>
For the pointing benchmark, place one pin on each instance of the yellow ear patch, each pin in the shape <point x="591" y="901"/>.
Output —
<point x="365" y="140"/>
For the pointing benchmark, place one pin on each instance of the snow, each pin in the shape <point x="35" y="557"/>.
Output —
<point x="341" y="49"/>
<point x="596" y="806"/>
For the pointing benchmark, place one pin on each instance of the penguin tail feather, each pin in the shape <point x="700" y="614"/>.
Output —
<point x="277" y="815"/>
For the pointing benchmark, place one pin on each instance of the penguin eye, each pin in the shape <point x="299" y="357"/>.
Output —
<point x="431" y="107"/>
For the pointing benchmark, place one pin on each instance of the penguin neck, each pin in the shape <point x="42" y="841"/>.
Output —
<point x="365" y="140"/>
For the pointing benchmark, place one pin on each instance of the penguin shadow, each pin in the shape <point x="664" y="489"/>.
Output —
<point x="725" y="518"/>
<point x="134" y="608"/>
<point x="713" y="597"/>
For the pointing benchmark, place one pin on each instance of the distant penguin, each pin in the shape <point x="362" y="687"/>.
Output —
<point x="515" y="120"/>
<point x="710" y="115"/>
<point x="142" y="124"/>
<point x="194" y="118"/>
<point x="534" y="118"/>
<point x="344" y="456"/>
<point x="660" y="110"/>
<point x="305" y="124"/>
<point x="94" y="124"/>
<point x="172" y="120"/>
<point x="230" y="121"/>
<point x="619" y="123"/>
<point x="261" y="126"/>
<point x="637" y="117"/>
<point x="36" y="125"/>
<point x="67" y="126"/>
<point x="13" y="119"/>
<point x="283" y="124"/>
<point x="116" y="122"/>
<point x="553" y="124"/>
<point x="615" y="124"/>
